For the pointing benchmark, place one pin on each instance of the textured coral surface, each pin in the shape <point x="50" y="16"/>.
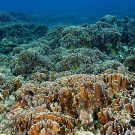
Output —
<point x="102" y="102"/>
<point x="66" y="79"/>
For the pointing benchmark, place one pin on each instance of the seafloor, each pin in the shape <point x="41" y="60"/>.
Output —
<point x="63" y="78"/>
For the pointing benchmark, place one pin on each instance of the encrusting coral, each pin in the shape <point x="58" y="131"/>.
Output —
<point x="73" y="103"/>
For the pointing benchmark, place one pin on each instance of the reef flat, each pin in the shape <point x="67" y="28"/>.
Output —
<point x="67" y="79"/>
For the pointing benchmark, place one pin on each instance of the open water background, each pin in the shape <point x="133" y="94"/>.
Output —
<point x="78" y="7"/>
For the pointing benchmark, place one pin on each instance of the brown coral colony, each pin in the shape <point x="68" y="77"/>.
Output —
<point x="72" y="102"/>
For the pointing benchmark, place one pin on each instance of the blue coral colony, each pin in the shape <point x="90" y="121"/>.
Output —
<point x="66" y="79"/>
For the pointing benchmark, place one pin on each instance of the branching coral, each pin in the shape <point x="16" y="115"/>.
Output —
<point x="82" y="60"/>
<point x="72" y="102"/>
<point x="74" y="37"/>
<point x="26" y="62"/>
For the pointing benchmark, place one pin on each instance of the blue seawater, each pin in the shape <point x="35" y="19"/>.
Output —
<point x="87" y="11"/>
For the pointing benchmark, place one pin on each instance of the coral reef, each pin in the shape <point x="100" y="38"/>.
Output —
<point x="5" y="17"/>
<point x="125" y="27"/>
<point x="74" y="103"/>
<point x="5" y="106"/>
<point x="15" y="32"/>
<point x="66" y="80"/>
<point x="130" y="63"/>
<point x="109" y="34"/>
<point x="40" y="30"/>
<point x="101" y="36"/>
<point x="83" y="60"/>
<point x="28" y="62"/>
<point x="74" y="37"/>
<point x="69" y="47"/>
